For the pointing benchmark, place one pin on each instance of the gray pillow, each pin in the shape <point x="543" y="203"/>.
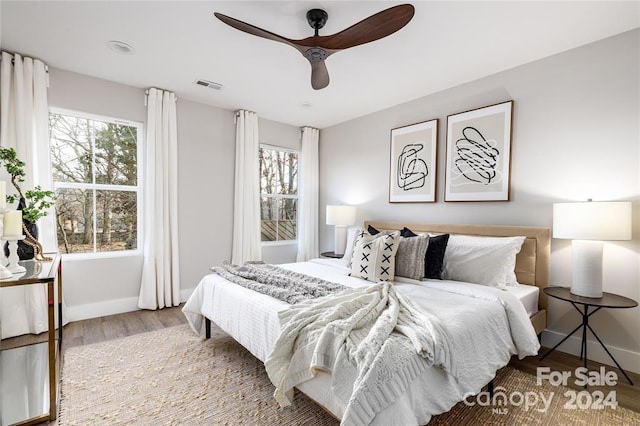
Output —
<point x="410" y="257"/>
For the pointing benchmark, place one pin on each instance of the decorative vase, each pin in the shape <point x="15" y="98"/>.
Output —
<point x="26" y="249"/>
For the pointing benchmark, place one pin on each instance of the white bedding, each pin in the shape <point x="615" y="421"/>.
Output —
<point x="528" y="295"/>
<point x="251" y="318"/>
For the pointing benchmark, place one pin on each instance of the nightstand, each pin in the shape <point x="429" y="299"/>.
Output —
<point x="608" y="300"/>
<point x="331" y="255"/>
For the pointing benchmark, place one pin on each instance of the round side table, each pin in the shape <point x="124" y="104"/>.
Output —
<point x="608" y="300"/>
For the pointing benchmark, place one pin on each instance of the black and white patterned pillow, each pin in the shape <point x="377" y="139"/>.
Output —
<point x="360" y="233"/>
<point x="374" y="258"/>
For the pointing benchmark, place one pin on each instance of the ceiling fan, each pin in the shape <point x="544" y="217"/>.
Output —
<point x="317" y="48"/>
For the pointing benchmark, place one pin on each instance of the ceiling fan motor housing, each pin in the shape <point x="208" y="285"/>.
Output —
<point x="315" y="54"/>
<point x="317" y="18"/>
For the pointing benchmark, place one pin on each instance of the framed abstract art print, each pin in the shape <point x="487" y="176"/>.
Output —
<point x="478" y="162"/>
<point x="412" y="168"/>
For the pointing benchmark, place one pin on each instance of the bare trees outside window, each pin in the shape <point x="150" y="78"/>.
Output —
<point x="95" y="165"/>
<point x="279" y="193"/>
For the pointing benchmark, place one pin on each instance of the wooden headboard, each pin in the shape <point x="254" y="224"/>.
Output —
<point x="532" y="263"/>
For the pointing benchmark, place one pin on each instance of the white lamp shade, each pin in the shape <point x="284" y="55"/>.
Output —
<point x="592" y="220"/>
<point x="341" y="215"/>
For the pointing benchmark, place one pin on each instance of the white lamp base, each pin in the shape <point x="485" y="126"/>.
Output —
<point x="340" y="239"/>
<point x="4" y="272"/>
<point x="13" y="254"/>
<point x="587" y="268"/>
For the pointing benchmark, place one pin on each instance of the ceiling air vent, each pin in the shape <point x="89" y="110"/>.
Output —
<point x="209" y="84"/>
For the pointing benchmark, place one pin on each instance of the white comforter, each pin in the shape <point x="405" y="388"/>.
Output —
<point x="371" y="334"/>
<point x="473" y="315"/>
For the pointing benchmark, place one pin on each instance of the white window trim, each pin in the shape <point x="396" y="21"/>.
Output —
<point x="102" y="254"/>
<point x="138" y="188"/>
<point x="97" y="117"/>
<point x="279" y="148"/>
<point x="281" y="196"/>
<point x="279" y="243"/>
<point x="289" y="196"/>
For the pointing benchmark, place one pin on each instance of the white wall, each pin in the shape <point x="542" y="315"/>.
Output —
<point x="206" y="154"/>
<point x="575" y="136"/>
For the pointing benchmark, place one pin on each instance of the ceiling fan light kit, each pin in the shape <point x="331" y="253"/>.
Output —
<point x="318" y="48"/>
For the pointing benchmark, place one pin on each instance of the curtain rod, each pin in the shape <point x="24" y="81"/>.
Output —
<point x="13" y="60"/>
<point x="240" y="110"/>
<point x="301" y="130"/>
<point x="146" y="94"/>
<point x="237" y="114"/>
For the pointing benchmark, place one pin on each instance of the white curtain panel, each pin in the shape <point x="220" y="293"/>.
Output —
<point x="308" y="196"/>
<point x="246" y="201"/>
<point x="24" y="126"/>
<point x="160" y="286"/>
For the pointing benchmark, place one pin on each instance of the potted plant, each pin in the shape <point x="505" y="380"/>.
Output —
<point x="34" y="204"/>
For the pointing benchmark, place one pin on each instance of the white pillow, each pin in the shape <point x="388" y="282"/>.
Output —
<point x="489" y="261"/>
<point x="374" y="257"/>
<point x="348" y="251"/>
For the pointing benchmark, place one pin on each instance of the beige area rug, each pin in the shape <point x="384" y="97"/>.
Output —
<point x="173" y="377"/>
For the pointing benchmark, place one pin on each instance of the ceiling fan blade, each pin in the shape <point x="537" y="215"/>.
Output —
<point x="319" y="75"/>
<point x="317" y="48"/>
<point x="373" y="28"/>
<point x="253" y="30"/>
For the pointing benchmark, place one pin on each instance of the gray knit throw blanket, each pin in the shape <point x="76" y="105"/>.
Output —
<point x="283" y="284"/>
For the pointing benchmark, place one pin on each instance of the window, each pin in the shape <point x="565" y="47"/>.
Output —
<point x="95" y="164"/>
<point x="278" y="193"/>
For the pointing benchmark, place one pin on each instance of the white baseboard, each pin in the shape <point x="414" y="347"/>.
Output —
<point x="100" y="309"/>
<point x="628" y="360"/>
<point x="109" y="307"/>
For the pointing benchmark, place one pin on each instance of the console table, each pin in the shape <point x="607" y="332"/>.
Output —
<point x="40" y="400"/>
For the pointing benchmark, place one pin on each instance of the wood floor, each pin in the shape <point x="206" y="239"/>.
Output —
<point x="628" y="395"/>
<point x="106" y="328"/>
<point x="116" y="326"/>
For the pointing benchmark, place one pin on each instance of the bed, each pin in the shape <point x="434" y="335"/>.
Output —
<point x="253" y="320"/>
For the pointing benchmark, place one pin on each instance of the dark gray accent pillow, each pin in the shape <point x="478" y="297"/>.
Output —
<point x="407" y="233"/>
<point x="434" y="258"/>
<point x="371" y="230"/>
<point x="410" y="257"/>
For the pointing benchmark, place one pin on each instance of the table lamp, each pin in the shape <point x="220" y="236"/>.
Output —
<point x="341" y="217"/>
<point x="588" y="224"/>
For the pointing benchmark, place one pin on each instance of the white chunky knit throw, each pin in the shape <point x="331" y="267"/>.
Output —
<point x="372" y="340"/>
